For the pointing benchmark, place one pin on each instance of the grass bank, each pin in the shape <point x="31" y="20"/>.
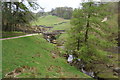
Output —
<point x="36" y="55"/>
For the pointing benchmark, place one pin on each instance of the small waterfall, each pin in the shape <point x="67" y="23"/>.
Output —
<point x="88" y="73"/>
<point x="48" y="40"/>
<point x="70" y="60"/>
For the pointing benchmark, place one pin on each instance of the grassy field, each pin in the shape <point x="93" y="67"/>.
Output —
<point x="36" y="54"/>
<point x="49" y="20"/>
<point x="65" y="26"/>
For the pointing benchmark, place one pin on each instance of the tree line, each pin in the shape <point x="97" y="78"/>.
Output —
<point x="17" y="14"/>
<point x="63" y="12"/>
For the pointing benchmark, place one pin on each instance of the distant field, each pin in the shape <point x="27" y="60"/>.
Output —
<point x="65" y="26"/>
<point x="49" y="20"/>
<point x="36" y="52"/>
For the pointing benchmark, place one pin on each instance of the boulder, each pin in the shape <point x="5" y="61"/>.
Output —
<point x="110" y="56"/>
<point x="117" y="70"/>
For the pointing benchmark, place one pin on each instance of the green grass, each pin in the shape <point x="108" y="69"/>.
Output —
<point x="11" y="34"/>
<point x="65" y="26"/>
<point x="35" y="52"/>
<point x="51" y="20"/>
<point x="48" y="20"/>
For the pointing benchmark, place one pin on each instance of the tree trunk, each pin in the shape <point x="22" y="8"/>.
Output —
<point x="78" y="46"/>
<point x="87" y="27"/>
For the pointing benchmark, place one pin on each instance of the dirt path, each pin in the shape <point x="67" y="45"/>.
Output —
<point x="18" y="36"/>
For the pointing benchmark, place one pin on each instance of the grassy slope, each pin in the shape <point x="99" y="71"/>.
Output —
<point x="35" y="52"/>
<point x="107" y="72"/>
<point x="51" y="20"/>
<point x="48" y="20"/>
<point x="65" y="26"/>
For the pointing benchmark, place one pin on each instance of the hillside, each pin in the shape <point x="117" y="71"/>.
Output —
<point x="48" y="20"/>
<point x="56" y="22"/>
<point x="34" y="56"/>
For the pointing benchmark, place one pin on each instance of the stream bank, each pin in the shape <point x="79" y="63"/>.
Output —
<point x="103" y="69"/>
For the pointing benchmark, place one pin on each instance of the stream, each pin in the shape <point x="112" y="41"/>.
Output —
<point x="70" y="60"/>
<point x="80" y="65"/>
